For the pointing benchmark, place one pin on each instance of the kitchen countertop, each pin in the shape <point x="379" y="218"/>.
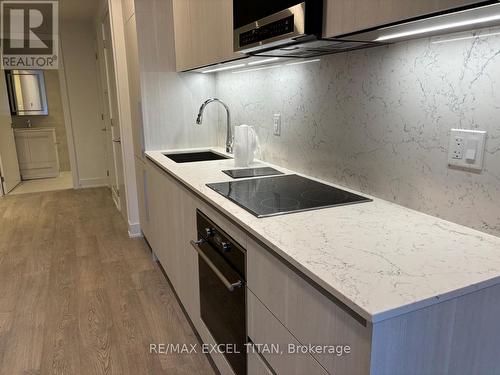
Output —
<point x="380" y="259"/>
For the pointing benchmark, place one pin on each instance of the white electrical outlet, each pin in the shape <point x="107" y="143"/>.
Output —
<point x="277" y="124"/>
<point x="467" y="148"/>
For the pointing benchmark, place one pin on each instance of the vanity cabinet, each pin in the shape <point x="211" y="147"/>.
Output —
<point x="203" y="33"/>
<point x="347" y="16"/>
<point x="37" y="153"/>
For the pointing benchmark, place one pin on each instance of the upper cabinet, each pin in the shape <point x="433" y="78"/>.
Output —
<point x="348" y="16"/>
<point x="203" y="33"/>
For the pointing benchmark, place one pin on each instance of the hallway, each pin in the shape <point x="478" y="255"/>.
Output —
<point x="77" y="296"/>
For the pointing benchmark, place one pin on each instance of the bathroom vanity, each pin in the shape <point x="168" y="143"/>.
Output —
<point x="37" y="152"/>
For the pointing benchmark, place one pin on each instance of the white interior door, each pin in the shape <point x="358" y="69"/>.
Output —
<point x="9" y="165"/>
<point x="111" y="118"/>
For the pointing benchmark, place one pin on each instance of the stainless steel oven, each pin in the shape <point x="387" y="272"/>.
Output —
<point x="222" y="274"/>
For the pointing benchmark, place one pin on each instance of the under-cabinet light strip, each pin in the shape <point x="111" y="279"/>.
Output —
<point x="261" y="68"/>
<point x="446" y="26"/>
<point x="224" y="68"/>
<point x="258" y="62"/>
<point x="303" y="62"/>
<point x="464" y="38"/>
<point x="233" y="67"/>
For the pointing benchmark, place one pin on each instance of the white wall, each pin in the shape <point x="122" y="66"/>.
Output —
<point x="378" y="120"/>
<point x="78" y="49"/>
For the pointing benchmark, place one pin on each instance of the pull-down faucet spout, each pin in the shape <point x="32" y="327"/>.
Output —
<point x="229" y="137"/>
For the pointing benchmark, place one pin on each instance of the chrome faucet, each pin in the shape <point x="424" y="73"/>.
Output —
<point x="229" y="137"/>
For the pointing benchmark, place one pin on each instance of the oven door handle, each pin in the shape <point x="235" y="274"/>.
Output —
<point x="230" y="286"/>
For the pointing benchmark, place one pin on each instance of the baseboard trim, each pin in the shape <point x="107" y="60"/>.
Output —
<point x="134" y="230"/>
<point x="93" y="182"/>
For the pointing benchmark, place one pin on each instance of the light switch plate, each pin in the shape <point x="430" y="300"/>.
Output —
<point x="467" y="149"/>
<point x="277" y="124"/>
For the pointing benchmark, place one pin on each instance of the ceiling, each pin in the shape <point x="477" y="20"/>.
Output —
<point x="78" y="9"/>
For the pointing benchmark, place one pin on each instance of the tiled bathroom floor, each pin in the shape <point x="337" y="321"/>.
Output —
<point x="63" y="182"/>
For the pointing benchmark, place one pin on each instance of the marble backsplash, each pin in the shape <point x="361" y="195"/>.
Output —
<point x="378" y="120"/>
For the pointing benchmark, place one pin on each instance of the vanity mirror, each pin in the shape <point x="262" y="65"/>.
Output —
<point x="27" y="94"/>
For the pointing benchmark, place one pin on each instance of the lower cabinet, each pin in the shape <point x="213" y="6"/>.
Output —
<point x="313" y="332"/>
<point x="142" y="196"/>
<point x="256" y="365"/>
<point x="309" y="317"/>
<point x="171" y="211"/>
<point x="276" y="343"/>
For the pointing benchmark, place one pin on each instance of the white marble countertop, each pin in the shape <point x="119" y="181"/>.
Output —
<point x="379" y="258"/>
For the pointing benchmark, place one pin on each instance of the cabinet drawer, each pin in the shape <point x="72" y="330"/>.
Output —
<point x="265" y="330"/>
<point x="256" y="365"/>
<point x="309" y="315"/>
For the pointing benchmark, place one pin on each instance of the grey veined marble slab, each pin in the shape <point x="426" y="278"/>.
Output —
<point x="379" y="120"/>
<point x="379" y="258"/>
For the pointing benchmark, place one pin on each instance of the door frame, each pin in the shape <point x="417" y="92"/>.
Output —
<point x="111" y="121"/>
<point x="128" y="198"/>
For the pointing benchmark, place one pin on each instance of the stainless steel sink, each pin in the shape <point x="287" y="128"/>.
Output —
<point x="191" y="157"/>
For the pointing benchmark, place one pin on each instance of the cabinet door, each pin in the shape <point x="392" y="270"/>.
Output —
<point x="142" y="196"/>
<point x="347" y="16"/>
<point x="173" y="226"/>
<point x="256" y="365"/>
<point x="186" y="257"/>
<point x="203" y="32"/>
<point x="156" y="205"/>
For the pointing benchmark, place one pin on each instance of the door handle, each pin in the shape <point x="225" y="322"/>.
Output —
<point x="230" y="286"/>
<point x="117" y="140"/>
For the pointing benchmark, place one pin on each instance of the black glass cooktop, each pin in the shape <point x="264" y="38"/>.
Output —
<point x="252" y="172"/>
<point x="271" y="196"/>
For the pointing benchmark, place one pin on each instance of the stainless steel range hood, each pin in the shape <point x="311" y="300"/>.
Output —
<point x="314" y="48"/>
<point x="310" y="45"/>
<point x="292" y="32"/>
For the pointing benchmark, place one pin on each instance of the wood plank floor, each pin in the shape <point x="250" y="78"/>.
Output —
<point x="77" y="296"/>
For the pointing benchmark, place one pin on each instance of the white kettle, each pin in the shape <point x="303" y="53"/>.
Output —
<point x="246" y="143"/>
